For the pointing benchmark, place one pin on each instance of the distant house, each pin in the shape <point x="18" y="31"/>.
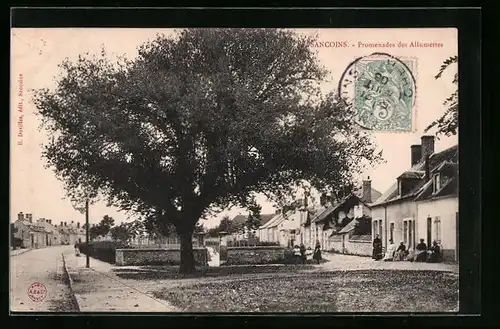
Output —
<point x="54" y="235"/>
<point x="241" y="231"/>
<point x="71" y="233"/>
<point x="33" y="235"/>
<point x="281" y="228"/>
<point x="423" y="202"/>
<point x="330" y="220"/>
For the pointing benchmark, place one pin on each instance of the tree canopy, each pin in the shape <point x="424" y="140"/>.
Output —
<point x="198" y="122"/>
<point x="447" y="124"/>
<point x="103" y="228"/>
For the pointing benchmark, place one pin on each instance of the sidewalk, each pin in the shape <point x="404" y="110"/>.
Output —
<point x="98" y="289"/>
<point x="341" y="262"/>
<point x="18" y="251"/>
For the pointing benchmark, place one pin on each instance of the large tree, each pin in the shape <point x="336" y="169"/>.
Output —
<point x="198" y="122"/>
<point x="447" y="124"/>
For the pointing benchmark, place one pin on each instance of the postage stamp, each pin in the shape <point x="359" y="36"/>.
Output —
<point x="382" y="90"/>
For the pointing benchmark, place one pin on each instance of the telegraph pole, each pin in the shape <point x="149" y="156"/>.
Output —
<point x="87" y="232"/>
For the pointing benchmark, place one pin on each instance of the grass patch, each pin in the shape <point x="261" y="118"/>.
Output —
<point x="350" y="291"/>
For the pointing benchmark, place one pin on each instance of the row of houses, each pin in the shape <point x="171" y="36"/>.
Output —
<point x="421" y="204"/>
<point x="43" y="233"/>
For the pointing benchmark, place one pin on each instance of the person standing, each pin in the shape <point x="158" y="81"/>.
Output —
<point x="303" y="253"/>
<point x="317" y="252"/>
<point x="77" y="250"/>
<point x="296" y="254"/>
<point x="377" y="248"/>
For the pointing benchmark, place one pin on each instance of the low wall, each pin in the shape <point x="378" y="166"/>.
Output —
<point x="161" y="256"/>
<point x="255" y="255"/>
<point x="353" y="247"/>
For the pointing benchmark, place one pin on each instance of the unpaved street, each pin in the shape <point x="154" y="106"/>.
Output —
<point x="44" y="266"/>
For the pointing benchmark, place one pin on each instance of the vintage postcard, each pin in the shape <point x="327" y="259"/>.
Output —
<point x="234" y="170"/>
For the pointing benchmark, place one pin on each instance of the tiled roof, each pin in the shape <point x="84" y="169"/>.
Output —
<point x="366" y="237"/>
<point x="375" y="194"/>
<point x="276" y="220"/>
<point x="349" y="227"/>
<point x="412" y="174"/>
<point x="435" y="161"/>
<point x="240" y="220"/>
<point x="34" y="226"/>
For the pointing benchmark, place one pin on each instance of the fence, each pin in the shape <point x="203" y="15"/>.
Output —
<point x="162" y="243"/>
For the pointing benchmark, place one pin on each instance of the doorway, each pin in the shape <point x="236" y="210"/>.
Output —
<point x="429" y="231"/>
<point x="32" y="241"/>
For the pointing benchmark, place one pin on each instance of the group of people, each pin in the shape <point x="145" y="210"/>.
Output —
<point x="300" y="253"/>
<point x="400" y="253"/>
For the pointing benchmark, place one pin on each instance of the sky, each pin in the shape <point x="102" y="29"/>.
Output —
<point x="36" y="53"/>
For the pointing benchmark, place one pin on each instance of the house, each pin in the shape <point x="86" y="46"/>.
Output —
<point x="423" y="202"/>
<point x="54" y="235"/>
<point x="355" y="238"/>
<point x="329" y="220"/>
<point x="72" y="233"/>
<point x="33" y="235"/>
<point x="241" y="231"/>
<point x="280" y="229"/>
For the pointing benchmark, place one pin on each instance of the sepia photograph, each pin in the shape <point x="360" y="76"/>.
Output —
<point x="234" y="170"/>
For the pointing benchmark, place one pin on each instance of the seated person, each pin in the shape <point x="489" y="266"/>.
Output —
<point x="296" y="254"/>
<point x="421" y="253"/>
<point x="391" y="249"/>
<point x="410" y="255"/>
<point x="400" y="252"/>
<point x="434" y="253"/>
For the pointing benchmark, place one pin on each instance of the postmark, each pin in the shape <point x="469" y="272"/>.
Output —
<point x="37" y="291"/>
<point x="382" y="92"/>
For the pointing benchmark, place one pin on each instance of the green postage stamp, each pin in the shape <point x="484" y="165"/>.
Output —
<point x="382" y="90"/>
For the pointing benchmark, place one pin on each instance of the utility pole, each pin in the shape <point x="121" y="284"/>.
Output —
<point x="87" y="232"/>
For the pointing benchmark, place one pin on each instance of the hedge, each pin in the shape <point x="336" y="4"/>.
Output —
<point x="102" y="250"/>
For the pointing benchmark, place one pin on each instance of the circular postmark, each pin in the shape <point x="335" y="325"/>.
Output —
<point x="37" y="291"/>
<point x="382" y="91"/>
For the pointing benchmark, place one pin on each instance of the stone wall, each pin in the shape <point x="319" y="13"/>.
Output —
<point x="126" y="257"/>
<point x="351" y="247"/>
<point x="255" y="255"/>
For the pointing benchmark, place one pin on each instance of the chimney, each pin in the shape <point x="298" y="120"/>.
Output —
<point x="367" y="190"/>
<point x="20" y="216"/>
<point x="427" y="168"/>
<point x="416" y="154"/>
<point x="427" y="146"/>
<point x="78" y="225"/>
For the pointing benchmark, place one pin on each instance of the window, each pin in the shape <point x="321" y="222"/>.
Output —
<point x="436" y="182"/>
<point x="408" y="232"/>
<point x="392" y="231"/>
<point x="437" y="228"/>
<point x="405" y="232"/>
<point x="380" y="228"/>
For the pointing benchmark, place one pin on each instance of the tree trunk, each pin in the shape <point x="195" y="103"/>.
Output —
<point x="187" y="256"/>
